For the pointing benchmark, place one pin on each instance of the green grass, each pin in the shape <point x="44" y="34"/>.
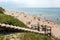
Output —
<point x="28" y="36"/>
<point x="11" y="20"/>
<point x="1" y="37"/>
<point x="33" y="36"/>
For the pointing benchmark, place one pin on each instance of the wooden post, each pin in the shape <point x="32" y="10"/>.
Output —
<point x="38" y="27"/>
<point x="45" y="30"/>
<point x="49" y="31"/>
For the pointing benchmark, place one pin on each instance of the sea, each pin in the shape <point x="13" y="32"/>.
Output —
<point x="52" y="14"/>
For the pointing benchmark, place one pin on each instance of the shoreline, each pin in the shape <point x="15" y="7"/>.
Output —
<point x="49" y="17"/>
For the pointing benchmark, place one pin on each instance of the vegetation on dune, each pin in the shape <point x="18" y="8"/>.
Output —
<point x="33" y="36"/>
<point x="2" y="10"/>
<point x="26" y="36"/>
<point x="11" y="20"/>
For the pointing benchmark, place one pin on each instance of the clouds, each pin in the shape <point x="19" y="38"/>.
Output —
<point x="56" y="3"/>
<point x="3" y="0"/>
<point x="33" y="3"/>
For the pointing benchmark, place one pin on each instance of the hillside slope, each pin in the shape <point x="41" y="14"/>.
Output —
<point x="8" y="19"/>
<point x="11" y="20"/>
<point x="32" y="21"/>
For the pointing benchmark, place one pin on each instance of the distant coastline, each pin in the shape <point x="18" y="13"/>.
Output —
<point x="52" y="14"/>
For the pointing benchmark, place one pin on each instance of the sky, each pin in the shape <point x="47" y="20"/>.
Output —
<point x="29" y="3"/>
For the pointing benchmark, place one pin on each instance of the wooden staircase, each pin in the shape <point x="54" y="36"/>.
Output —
<point x="47" y="31"/>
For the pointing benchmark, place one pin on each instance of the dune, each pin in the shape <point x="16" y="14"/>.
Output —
<point x="32" y="21"/>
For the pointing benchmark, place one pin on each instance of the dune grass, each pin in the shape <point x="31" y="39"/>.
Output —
<point x="27" y="36"/>
<point x="11" y="20"/>
<point x="33" y="36"/>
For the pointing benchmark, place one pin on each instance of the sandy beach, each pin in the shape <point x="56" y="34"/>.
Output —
<point x="32" y="21"/>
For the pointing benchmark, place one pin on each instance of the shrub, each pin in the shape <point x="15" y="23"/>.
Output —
<point x="2" y="10"/>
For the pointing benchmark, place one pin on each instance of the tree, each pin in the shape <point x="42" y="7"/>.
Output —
<point x="2" y="10"/>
